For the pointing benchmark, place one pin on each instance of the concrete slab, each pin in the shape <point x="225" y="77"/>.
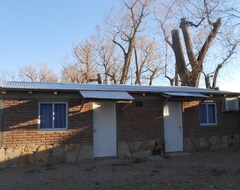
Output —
<point x="155" y="157"/>
<point x="173" y="154"/>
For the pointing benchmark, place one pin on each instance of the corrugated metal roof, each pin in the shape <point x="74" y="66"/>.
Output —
<point x="97" y="87"/>
<point x="110" y="95"/>
<point x="186" y="94"/>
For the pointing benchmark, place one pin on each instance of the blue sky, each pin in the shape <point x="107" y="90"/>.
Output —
<point x="34" y="32"/>
<point x="45" y="31"/>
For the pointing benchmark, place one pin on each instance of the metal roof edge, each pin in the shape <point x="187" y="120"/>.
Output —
<point x="42" y="86"/>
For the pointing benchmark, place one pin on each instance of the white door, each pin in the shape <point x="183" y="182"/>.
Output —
<point x="104" y="129"/>
<point x="173" y="134"/>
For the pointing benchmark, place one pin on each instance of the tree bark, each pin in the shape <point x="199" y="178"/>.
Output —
<point x="127" y="61"/>
<point x="216" y="26"/>
<point x="191" y="78"/>
<point x="180" y="60"/>
<point x="98" y="79"/>
<point x="152" y="76"/>
<point x="196" y="67"/>
<point x="137" y="72"/>
<point x="207" y="80"/>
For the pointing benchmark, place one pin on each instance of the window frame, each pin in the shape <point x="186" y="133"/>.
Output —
<point x="207" y="115"/>
<point x="52" y="103"/>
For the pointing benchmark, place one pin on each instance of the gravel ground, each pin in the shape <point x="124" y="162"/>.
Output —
<point x="207" y="170"/>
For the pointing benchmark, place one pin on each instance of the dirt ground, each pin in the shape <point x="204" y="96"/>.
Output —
<point x="206" y="170"/>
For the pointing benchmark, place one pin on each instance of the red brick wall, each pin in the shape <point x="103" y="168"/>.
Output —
<point x="21" y="124"/>
<point x="136" y="124"/>
<point x="227" y="122"/>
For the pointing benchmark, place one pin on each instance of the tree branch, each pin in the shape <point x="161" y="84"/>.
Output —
<point x="209" y="40"/>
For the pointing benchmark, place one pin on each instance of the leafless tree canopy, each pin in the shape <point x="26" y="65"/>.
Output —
<point x="143" y="42"/>
<point x="203" y="29"/>
<point x="83" y="69"/>
<point x="7" y="76"/>
<point x="147" y="60"/>
<point x="107" y="59"/>
<point x="125" y="32"/>
<point x="119" y="46"/>
<point x="37" y="73"/>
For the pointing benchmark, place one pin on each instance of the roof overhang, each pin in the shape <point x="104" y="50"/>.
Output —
<point x="185" y="94"/>
<point x="106" y="95"/>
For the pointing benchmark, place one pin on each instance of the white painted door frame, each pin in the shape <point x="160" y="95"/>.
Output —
<point x="104" y="129"/>
<point x="173" y="130"/>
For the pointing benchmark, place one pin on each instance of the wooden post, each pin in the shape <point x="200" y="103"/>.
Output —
<point x="1" y="122"/>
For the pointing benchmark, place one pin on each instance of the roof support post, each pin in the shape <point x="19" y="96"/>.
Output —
<point x="1" y="122"/>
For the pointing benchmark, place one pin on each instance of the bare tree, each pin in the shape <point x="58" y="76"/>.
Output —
<point x="214" y="74"/>
<point x="191" y="28"/>
<point x="69" y="72"/>
<point x="207" y="28"/>
<point x="125" y="32"/>
<point x="107" y="59"/>
<point x="83" y="69"/>
<point x="37" y="73"/>
<point x="172" y="80"/>
<point x="147" y="60"/>
<point x="7" y="76"/>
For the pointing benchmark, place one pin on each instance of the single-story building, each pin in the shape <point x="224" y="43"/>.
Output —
<point x="56" y="122"/>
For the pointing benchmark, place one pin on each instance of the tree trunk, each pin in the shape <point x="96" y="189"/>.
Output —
<point x="176" y="81"/>
<point x="196" y="67"/>
<point x="207" y="81"/>
<point x="152" y="76"/>
<point x="127" y="60"/>
<point x="98" y="79"/>
<point x="191" y="78"/>
<point x="179" y="57"/>
<point x="137" y="72"/>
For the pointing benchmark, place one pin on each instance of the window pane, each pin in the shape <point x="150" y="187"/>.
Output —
<point x="45" y="116"/>
<point x="203" y="113"/>
<point x="211" y="113"/>
<point x="59" y="115"/>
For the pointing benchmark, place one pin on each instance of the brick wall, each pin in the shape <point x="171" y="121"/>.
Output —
<point x="20" y="124"/>
<point x="138" y="124"/>
<point x="134" y="124"/>
<point x="227" y="122"/>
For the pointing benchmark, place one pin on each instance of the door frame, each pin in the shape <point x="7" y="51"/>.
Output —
<point x="180" y="127"/>
<point x="114" y="116"/>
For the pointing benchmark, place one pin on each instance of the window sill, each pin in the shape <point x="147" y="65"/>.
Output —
<point x="208" y="125"/>
<point x="64" y="129"/>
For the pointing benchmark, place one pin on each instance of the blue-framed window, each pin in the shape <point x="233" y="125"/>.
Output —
<point x="208" y="113"/>
<point x="53" y="115"/>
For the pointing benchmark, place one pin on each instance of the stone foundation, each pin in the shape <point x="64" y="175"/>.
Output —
<point x="44" y="154"/>
<point x="32" y="154"/>
<point x="193" y="144"/>
<point x="139" y="149"/>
